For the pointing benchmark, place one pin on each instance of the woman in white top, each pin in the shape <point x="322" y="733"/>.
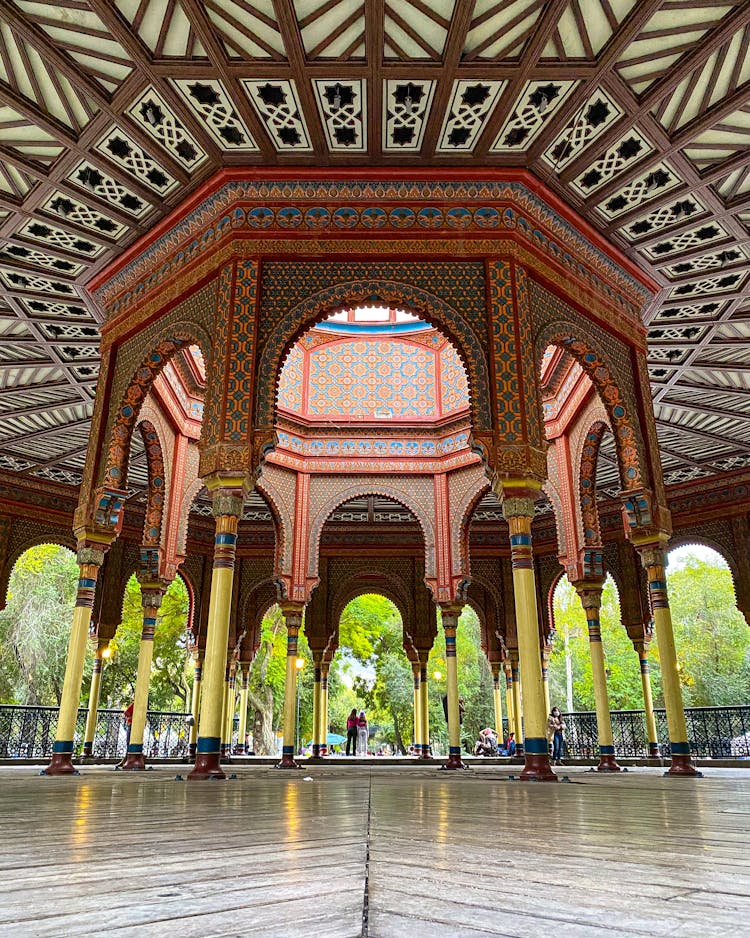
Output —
<point x="362" y="734"/>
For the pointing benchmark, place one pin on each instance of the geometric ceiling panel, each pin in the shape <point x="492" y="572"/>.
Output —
<point x="642" y="188"/>
<point x="247" y="30"/>
<point x="119" y="146"/>
<point x="113" y="113"/>
<point x="278" y="107"/>
<point x="209" y="101"/>
<point x="85" y="38"/>
<point x="332" y="30"/>
<point x="100" y="183"/>
<point x="598" y="112"/>
<point x="500" y="30"/>
<point x="406" y="108"/>
<point x="629" y="148"/>
<point x="153" y="114"/>
<point x="673" y="31"/>
<point x="416" y="30"/>
<point x="470" y="106"/>
<point x="343" y="112"/>
<point x="534" y="108"/>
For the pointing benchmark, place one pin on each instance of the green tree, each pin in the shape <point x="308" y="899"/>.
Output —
<point x="35" y="625"/>
<point x="171" y="674"/>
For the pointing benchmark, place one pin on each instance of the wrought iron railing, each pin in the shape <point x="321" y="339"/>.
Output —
<point x="29" y="732"/>
<point x="713" y="733"/>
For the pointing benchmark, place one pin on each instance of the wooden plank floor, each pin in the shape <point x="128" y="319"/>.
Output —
<point x="381" y="851"/>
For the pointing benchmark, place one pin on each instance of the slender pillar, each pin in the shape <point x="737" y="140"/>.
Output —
<point x="519" y="510"/>
<point x="497" y="696"/>
<point x="94" y="692"/>
<point x="450" y="623"/>
<point x="317" y="722"/>
<point x="293" y="618"/>
<point x="229" y="710"/>
<point x="509" y="699"/>
<point x="654" y="750"/>
<point x="227" y="506"/>
<point x="517" y="711"/>
<point x="416" y="670"/>
<point x="244" y="674"/>
<point x="545" y="680"/>
<point x="324" y="708"/>
<point x="653" y="558"/>
<point x="195" y="708"/>
<point x="152" y="595"/>
<point x="424" y="709"/>
<point x="591" y="600"/>
<point x="90" y="560"/>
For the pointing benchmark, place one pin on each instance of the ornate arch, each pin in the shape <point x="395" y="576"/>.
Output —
<point x="19" y="549"/>
<point x="558" y="512"/>
<point x="255" y="604"/>
<point x="701" y="540"/>
<point x="316" y="307"/>
<point x="575" y="337"/>
<point x="351" y="590"/>
<point x="591" y="443"/>
<point x="174" y="339"/>
<point x="152" y="525"/>
<point x="282" y="512"/>
<point x="359" y="490"/>
<point x="462" y="511"/>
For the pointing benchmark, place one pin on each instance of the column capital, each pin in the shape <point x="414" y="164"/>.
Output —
<point x="292" y="613"/>
<point x="653" y="554"/>
<point x="590" y="593"/>
<point x="228" y="492"/>
<point x="450" y="613"/>
<point x="90" y="555"/>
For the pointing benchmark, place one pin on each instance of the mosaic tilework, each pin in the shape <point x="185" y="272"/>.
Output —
<point x="509" y="421"/>
<point x="448" y="295"/>
<point x="156" y="480"/>
<point x="607" y="363"/>
<point x="587" y="484"/>
<point x="369" y="378"/>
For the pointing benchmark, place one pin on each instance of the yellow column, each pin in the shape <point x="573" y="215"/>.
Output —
<point x="545" y="679"/>
<point x="515" y="678"/>
<point x="152" y="594"/>
<point x="518" y="509"/>
<point x="195" y="708"/>
<point x="415" y="670"/>
<point x="653" y="557"/>
<point x="424" y="707"/>
<point x="497" y="695"/>
<point x="244" y="675"/>
<point x="229" y="707"/>
<point x="227" y="507"/>
<point x="293" y="616"/>
<point x="654" y="751"/>
<point x="324" y="708"/>
<point x="90" y="560"/>
<point x="94" y="692"/>
<point x="591" y="600"/>
<point x="509" y="699"/>
<point x="450" y="622"/>
<point x="317" y="701"/>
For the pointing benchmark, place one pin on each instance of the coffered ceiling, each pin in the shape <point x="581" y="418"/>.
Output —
<point x="636" y="112"/>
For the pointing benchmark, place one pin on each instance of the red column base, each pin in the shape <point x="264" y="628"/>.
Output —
<point x="61" y="763"/>
<point x="191" y="750"/>
<point x="537" y="768"/>
<point x="239" y="751"/>
<point x="654" y="751"/>
<point x="287" y="762"/>
<point x="608" y="764"/>
<point x="425" y="753"/>
<point x="88" y="750"/>
<point x="454" y="762"/>
<point x="134" y="762"/>
<point x="206" y="766"/>
<point x="682" y="765"/>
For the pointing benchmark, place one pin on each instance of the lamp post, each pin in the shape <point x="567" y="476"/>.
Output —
<point x="299" y="665"/>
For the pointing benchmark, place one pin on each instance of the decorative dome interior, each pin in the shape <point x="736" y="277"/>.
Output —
<point x="373" y="364"/>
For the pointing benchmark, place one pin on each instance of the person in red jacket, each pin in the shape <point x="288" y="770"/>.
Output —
<point x="351" y="733"/>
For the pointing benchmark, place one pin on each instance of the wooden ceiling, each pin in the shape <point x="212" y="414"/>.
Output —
<point x="636" y="112"/>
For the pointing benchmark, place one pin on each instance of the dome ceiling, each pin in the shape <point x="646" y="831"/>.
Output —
<point x="636" y="113"/>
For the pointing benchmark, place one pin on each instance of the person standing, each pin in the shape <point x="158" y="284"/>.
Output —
<point x="556" y="732"/>
<point x="127" y="714"/>
<point x="351" y="733"/>
<point x="362" y="734"/>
